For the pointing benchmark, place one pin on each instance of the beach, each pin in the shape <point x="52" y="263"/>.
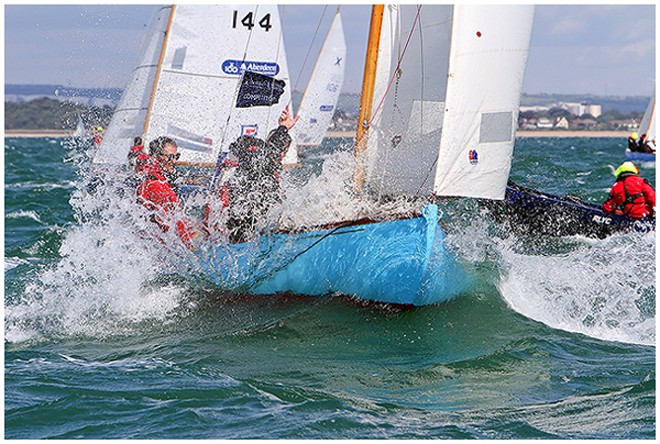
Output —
<point x="335" y="134"/>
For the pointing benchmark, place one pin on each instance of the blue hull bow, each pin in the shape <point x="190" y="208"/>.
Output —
<point x="639" y="157"/>
<point x="400" y="261"/>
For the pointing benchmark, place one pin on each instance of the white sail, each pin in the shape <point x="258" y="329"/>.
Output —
<point x="131" y="111"/>
<point x="455" y="79"/>
<point x="319" y="101"/>
<point x="383" y="74"/>
<point x="195" y="83"/>
<point x="647" y="125"/>
<point x="490" y="44"/>
<point x="80" y="130"/>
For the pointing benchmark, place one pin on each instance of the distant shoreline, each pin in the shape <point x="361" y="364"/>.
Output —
<point x="334" y="134"/>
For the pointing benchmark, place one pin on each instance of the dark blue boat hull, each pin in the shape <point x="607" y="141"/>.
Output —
<point x="528" y="211"/>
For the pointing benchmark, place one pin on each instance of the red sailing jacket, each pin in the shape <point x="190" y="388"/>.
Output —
<point x="157" y="195"/>
<point x="631" y="195"/>
<point x="137" y="157"/>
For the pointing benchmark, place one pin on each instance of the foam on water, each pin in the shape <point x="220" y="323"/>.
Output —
<point x="24" y="215"/>
<point x="601" y="288"/>
<point x="13" y="262"/>
<point x="100" y="285"/>
<point x="328" y="197"/>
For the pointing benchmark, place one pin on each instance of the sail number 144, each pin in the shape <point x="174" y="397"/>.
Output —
<point x="248" y="21"/>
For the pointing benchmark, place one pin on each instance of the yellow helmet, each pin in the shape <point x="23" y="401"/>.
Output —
<point x="634" y="135"/>
<point x="626" y="167"/>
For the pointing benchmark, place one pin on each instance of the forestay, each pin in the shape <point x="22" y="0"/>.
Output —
<point x="446" y="121"/>
<point x="186" y="82"/>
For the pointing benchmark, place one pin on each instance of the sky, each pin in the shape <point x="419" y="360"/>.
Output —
<point x="604" y="49"/>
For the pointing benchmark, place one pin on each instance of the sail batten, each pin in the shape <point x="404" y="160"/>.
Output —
<point x="196" y="74"/>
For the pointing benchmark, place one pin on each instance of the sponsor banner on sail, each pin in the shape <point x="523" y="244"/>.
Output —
<point x="238" y="67"/>
<point x="259" y="90"/>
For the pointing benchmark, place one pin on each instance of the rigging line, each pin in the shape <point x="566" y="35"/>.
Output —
<point x="398" y="66"/>
<point x="225" y="127"/>
<point x="280" y="47"/>
<point x="421" y="113"/>
<point x="303" y="251"/>
<point x="309" y="48"/>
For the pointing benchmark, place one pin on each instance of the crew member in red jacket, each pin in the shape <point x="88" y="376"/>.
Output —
<point x="631" y="195"/>
<point x="156" y="190"/>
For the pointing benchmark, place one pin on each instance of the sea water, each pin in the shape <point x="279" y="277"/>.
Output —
<point x="105" y="339"/>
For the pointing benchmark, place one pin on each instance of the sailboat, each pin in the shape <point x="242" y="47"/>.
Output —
<point x="80" y="130"/>
<point x="319" y="100"/>
<point x="530" y="212"/>
<point x="440" y="99"/>
<point x="185" y="82"/>
<point x="647" y="129"/>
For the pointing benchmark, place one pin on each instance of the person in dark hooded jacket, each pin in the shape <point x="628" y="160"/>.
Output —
<point x="254" y="186"/>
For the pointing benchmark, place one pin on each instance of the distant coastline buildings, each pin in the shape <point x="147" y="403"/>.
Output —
<point x="574" y="108"/>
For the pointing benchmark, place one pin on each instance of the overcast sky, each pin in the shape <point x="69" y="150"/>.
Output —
<point x="587" y="49"/>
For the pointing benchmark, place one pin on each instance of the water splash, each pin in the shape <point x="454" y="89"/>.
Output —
<point x="603" y="289"/>
<point x="102" y="282"/>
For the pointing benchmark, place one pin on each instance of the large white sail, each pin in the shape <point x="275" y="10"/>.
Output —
<point x="319" y="101"/>
<point x="489" y="51"/>
<point x="199" y="67"/>
<point x="131" y="111"/>
<point x="647" y="125"/>
<point x="384" y="69"/>
<point x="407" y="110"/>
<point x="455" y="78"/>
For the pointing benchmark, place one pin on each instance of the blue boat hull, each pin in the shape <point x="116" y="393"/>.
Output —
<point x="400" y="261"/>
<point x="639" y="157"/>
<point x="528" y="211"/>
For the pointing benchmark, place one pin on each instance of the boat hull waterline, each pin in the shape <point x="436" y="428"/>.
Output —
<point x="635" y="156"/>
<point x="401" y="261"/>
<point x="532" y="212"/>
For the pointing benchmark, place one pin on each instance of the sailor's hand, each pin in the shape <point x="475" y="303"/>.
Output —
<point x="286" y="120"/>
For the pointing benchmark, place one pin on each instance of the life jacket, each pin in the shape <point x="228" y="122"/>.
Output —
<point x="631" y="195"/>
<point x="159" y="197"/>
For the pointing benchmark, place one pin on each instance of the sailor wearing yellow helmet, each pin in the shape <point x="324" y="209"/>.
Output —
<point x="98" y="135"/>
<point x="631" y="195"/>
<point x="632" y="142"/>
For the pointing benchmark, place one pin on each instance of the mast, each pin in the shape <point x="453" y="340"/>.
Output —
<point x="367" y="95"/>
<point x="157" y="76"/>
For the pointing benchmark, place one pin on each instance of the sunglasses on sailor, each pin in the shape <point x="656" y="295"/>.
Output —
<point x="172" y="157"/>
